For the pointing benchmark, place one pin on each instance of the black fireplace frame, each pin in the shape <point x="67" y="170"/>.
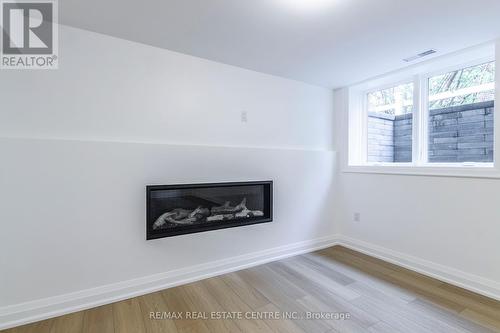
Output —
<point x="150" y="235"/>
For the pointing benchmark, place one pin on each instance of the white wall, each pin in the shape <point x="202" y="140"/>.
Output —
<point x="111" y="89"/>
<point x="73" y="212"/>
<point x="448" y="223"/>
<point x="78" y="146"/>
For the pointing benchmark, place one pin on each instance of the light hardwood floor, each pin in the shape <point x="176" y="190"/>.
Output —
<point x="379" y="297"/>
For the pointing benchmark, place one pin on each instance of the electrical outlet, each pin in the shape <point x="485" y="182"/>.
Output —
<point x="244" y="117"/>
<point x="356" y="217"/>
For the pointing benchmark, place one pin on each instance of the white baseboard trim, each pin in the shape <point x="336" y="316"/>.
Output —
<point x="24" y="313"/>
<point x="443" y="273"/>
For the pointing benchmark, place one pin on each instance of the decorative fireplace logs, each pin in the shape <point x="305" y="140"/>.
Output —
<point x="218" y="213"/>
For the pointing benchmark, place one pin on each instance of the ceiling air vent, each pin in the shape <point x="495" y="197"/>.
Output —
<point x="420" y="55"/>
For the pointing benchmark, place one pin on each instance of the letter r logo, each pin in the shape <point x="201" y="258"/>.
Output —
<point x="27" y="27"/>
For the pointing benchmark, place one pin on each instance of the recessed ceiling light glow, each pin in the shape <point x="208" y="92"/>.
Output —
<point x="306" y="5"/>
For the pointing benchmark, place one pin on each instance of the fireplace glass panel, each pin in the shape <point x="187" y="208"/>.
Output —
<point x="180" y="209"/>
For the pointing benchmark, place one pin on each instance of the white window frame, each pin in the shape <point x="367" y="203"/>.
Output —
<point x="357" y="138"/>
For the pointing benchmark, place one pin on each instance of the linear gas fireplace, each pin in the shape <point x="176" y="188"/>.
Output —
<point x="183" y="209"/>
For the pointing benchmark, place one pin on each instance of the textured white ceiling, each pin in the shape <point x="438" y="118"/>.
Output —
<point x="330" y="43"/>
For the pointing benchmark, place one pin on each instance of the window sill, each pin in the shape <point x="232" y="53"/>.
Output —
<point x="459" y="171"/>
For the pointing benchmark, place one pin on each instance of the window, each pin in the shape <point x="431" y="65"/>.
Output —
<point x="437" y="114"/>
<point x="460" y="107"/>
<point x="390" y="116"/>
